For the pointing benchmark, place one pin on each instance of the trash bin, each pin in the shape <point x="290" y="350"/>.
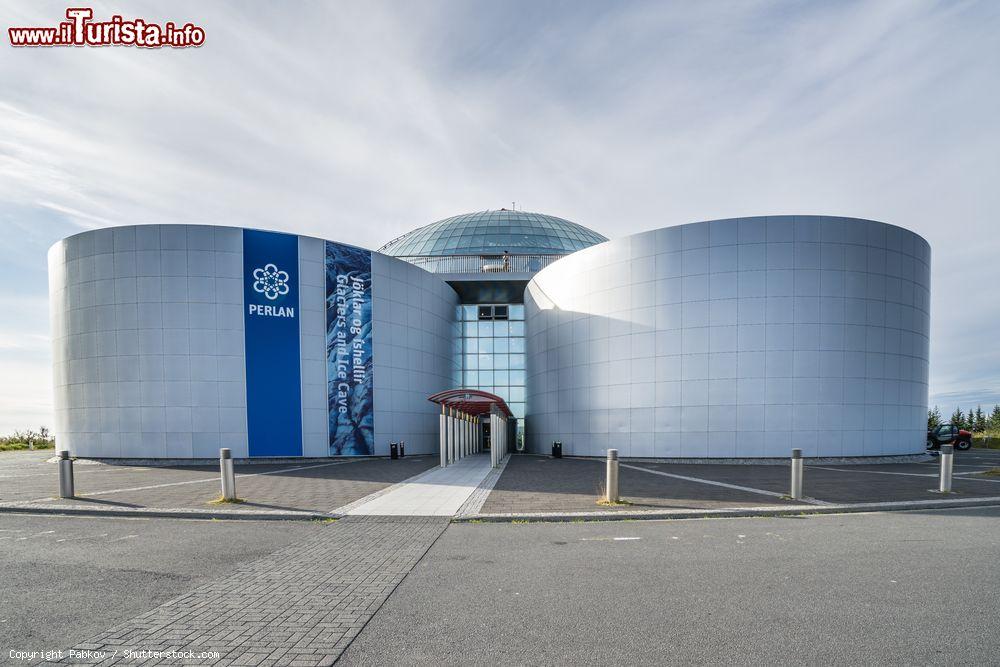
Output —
<point x="557" y="450"/>
<point x="402" y="449"/>
<point x="393" y="450"/>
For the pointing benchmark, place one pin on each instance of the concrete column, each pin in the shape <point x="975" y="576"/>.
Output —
<point x="494" y="432"/>
<point x="503" y="438"/>
<point x="498" y="440"/>
<point x="462" y="435"/>
<point x="451" y="436"/>
<point x="443" y="437"/>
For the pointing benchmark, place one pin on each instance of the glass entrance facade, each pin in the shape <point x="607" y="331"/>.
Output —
<point x="490" y="351"/>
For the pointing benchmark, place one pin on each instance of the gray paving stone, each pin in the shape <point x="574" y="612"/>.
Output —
<point x="302" y="604"/>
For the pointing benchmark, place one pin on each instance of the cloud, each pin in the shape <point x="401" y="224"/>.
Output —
<point x="361" y="121"/>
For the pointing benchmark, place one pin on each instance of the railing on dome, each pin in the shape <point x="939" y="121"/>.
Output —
<point x="481" y="263"/>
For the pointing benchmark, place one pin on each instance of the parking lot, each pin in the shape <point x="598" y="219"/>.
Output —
<point x="541" y="484"/>
<point x="529" y="484"/>
<point x="30" y="477"/>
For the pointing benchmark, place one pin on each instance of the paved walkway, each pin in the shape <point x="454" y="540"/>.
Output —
<point x="301" y="605"/>
<point x="437" y="492"/>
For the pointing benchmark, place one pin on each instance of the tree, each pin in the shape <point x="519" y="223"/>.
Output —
<point x="980" y="422"/>
<point x="994" y="422"/>
<point x="958" y="418"/>
<point x="934" y="418"/>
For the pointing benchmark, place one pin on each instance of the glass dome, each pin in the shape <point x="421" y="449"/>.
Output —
<point x="492" y="232"/>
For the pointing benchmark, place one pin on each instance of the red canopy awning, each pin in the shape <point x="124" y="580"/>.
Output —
<point x="470" y="401"/>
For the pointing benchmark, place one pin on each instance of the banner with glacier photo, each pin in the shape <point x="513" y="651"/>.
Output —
<point x="350" y="390"/>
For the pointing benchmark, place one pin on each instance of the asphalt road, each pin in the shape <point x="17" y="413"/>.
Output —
<point x="65" y="579"/>
<point x="898" y="588"/>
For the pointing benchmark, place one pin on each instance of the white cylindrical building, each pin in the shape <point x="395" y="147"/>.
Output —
<point x="171" y="341"/>
<point x="733" y="338"/>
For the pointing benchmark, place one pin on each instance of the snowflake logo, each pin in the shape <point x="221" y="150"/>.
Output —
<point x="270" y="282"/>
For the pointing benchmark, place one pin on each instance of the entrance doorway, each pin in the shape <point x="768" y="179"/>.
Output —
<point x="486" y="434"/>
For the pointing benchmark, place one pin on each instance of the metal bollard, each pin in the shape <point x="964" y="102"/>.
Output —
<point x="947" y="458"/>
<point x="796" y="474"/>
<point x="66" y="489"/>
<point x="612" y="476"/>
<point x="228" y="476"/>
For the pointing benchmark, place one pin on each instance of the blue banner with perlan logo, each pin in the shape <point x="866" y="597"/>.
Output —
<point x="271" y="319"/>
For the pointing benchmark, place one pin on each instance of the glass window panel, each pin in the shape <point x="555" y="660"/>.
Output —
<point x="517" y="361"/>
<point x="517" y="378"/>
<point x="471" y="379"/>
<point x="517" y="394"/>
<point x="471" y="345"/>
<point x="470" y="329"/>
<point x="485" y="312"/>
<point x="500" y="329"/>
<point x="486" y="329"/>
<point x="516" y="328"/>
<point x="471" y="362"/>
<point x="486" y="344"/>
<point x="468" y="313"/>
<point x="501" y="361"/>
<point x="503" y="392"/>
<point x="501" y="344"/>
<point x="516" y="344"/>
<point x="500" y="312"/>
<point x="501" y="378"/>
<point x="485" y="361"/>
<point x="518" y="410"/>
<point x="458" y="313"/>
<point x="486" y="380"/>
<point x="516" y="312"/>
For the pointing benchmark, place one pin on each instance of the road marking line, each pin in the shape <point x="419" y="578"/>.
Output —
<point x="772" y="494"/>
<point x="85" y="537"/>
<point x="904" y="474"/>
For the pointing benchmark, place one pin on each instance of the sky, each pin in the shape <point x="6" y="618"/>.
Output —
<point x="359" y="121"/>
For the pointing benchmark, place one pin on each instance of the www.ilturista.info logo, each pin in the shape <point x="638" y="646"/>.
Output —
<point x="80" y="30"/>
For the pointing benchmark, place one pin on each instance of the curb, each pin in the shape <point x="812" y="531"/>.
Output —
<point x="729" y="513"/>
<point x="243" y="515"/>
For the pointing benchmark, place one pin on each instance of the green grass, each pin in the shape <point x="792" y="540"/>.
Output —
<point x="222" y="501"/>
<point x="986" y="439"/>
<point x="19" y="440"/>
<point x="620" y="503"/>
<point x="18" y="446"/>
